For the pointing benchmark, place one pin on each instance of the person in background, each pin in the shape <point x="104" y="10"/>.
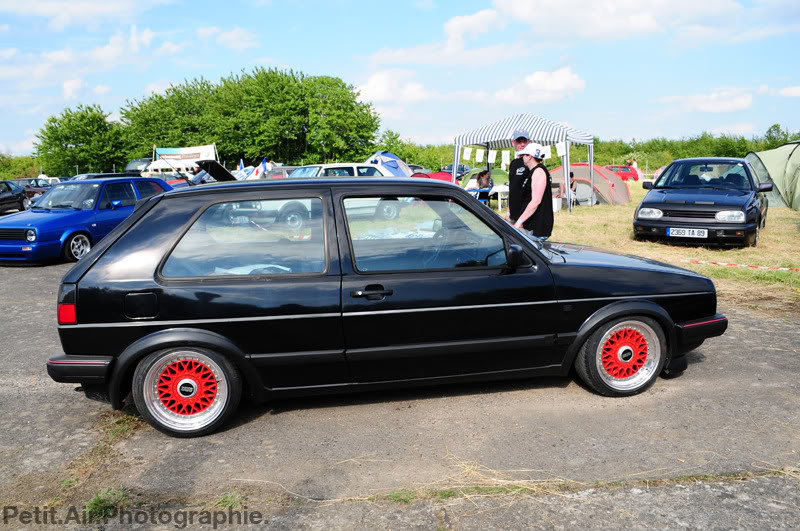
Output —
<point x="484" y="180"/>
<point x="518" y="174"/>
<point x="574" y="187"/>
<point x="525" y="213"/>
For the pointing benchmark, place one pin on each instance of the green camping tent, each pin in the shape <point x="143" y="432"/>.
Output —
<point x="780" y="166"/>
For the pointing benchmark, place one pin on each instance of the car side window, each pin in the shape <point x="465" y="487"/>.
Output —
<point x="269" y="237"/>
<point x="343" y="171"/>
<point x="122" y="192"/>
<point x="367" y="171"/>
<point x="419" y="233"/>
<point x="148" y="188"/>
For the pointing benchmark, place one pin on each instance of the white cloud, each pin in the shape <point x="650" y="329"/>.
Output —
<point x="743" y="129"/>
<point x="87" y="12"/>
<point x="724" y="100"/>
<point x="543" y="87"/>
<point x="790" y="92"/>
<point x="110" y="54"/>
<point x="763" y="89"/>
<point x="265" y="60"/>
<point x="157" y="87"/>
<point x="140" y="40"/>
<point x="170" y="48"/>
<point x="59" y="56"/>
<point x="113" y="117"/>
<point x="204" y="33"/>
<point x="101" y="89"/>
<point x="439" y="54"/>
<point x="472" y="25"/>
<point x="8" y="53"/>
<point x="395" y="86"/>
<point x="237" y="39"/>
<point x="71" y="88"/>
<point x="425" y="5"/>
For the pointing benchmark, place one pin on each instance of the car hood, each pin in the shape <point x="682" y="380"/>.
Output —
<point x="41" y="218"/>
<point x="699" y="196"/>
<point x="579" y="255"/>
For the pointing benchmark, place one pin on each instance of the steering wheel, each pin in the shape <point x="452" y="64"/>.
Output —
<point x="448" y="239"/>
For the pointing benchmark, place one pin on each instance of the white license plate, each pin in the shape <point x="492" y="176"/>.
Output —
<point x="687" y="233"/>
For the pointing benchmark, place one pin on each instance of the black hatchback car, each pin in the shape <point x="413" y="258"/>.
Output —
<point x="708" y="200"/>
<point x="206" y="294"/>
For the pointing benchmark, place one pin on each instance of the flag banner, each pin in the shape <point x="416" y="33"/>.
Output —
<point x="208" y="152"/>
<point x="561" y="149"/>
<point x="492" y="156"/>
<point x="467" y="153"/>
<point x="506" y="158"/>
<point x="478" y="155"/>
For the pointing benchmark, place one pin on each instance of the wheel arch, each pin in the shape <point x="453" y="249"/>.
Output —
<point x="67" y="234"/>
<point x="124" y="365"/>
<point x="618" y="309"/>
<point x="292" y="206"/>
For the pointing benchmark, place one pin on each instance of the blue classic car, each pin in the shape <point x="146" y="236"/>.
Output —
<point x="71" y="217"/>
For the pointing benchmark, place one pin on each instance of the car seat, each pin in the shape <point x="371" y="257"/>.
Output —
<point x="735" y="180"/>
<point x="691" y="180"/>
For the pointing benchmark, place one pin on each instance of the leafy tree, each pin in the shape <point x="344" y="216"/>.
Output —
<point x="82" y="139"/>
<point x="18" y="167"/>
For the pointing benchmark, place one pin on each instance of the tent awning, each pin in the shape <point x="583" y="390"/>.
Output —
<point x="498" y="134"/>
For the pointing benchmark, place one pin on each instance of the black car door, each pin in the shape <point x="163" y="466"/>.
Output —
<point x="7" y="198"/>
<point x="428" y="293"/>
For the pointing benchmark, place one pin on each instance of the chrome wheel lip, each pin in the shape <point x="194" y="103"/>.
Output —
<point x="175" y="421"/>
<point x="648" y="370"/>
<point x="79" y="246"/>
<point x="294" y="220"/>
<point x="26" y="203"/>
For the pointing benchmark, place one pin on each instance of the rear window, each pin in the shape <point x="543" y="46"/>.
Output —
<point x="148" y="188"/>
<point x="245" y="238"/>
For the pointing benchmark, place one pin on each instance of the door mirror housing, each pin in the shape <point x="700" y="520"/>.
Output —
<point x="516" y="257"/>
<point x="647" y="185"/>
<point x="115" y="204"/>
<point x="765" y="187"/>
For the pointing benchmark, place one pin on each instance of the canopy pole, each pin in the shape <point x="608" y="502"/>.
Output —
<point x="591" y="171"/>
<point x="566" y="176"/>
<point x="456" y="149"/>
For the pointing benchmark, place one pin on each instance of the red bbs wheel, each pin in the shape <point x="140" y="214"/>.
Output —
<point x="186" y="392"/>
<point x="623" y="357"/>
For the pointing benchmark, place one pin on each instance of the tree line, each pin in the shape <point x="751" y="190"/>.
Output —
<point x="295" y="119"/>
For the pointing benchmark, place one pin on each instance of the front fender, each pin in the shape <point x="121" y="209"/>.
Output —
<point x="621" y="309"/>
<point x="125" y="364"/>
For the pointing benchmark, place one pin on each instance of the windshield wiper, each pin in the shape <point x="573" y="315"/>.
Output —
<point x="65" y="206"/>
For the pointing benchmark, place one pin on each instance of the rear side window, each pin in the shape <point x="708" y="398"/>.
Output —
<point x="4" y="187"/>
<point x="367" y="171"/>
<point x="269" y="237"/>
<point x="122" y="192"/>
<point x="148" y="188"/>
<point x="344" y="171"/>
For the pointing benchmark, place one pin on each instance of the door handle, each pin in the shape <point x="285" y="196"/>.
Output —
<point x="372" y="293"/>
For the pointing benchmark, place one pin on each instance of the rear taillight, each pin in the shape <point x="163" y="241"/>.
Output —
<point x="67" y="304"/>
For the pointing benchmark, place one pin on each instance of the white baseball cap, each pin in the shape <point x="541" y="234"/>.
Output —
<point x="536" y="151"/>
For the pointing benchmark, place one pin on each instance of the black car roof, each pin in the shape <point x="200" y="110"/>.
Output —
<point x="298" y="182"/>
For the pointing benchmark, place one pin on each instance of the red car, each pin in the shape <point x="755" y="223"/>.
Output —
<point x="625" y="172"/>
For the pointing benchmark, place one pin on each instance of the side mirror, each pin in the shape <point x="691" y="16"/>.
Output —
<point x="647" y="185"/>
<point x="515" y="256"/>
<point x="765" y="187"/>
<point x="115" y="204"/>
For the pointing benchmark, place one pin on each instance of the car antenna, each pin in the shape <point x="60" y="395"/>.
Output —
<point x="188" y="182"/>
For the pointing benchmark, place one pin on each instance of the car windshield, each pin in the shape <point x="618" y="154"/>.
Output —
<point x="305" y="171"/>
<point x="73" y="195"/>
<point x="693" y="174"/>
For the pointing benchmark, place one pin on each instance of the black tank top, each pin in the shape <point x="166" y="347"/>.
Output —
<point x="519" y="180"/>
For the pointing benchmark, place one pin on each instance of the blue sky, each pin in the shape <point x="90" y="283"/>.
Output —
<point x="432" y="68"/>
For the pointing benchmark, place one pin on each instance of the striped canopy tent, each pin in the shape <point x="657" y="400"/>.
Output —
<point x="497" y="135"/>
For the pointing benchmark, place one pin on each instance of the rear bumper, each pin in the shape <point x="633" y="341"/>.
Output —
<point x="91" y="370"/>
<point x="698" y="330"/>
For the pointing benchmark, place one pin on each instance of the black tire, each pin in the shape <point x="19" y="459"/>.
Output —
<point x="24" y="204"/>
<point x="212" y="379"/>
<point x="387" y="210"/>
<point x="295" y="218"/>
<point x="76" y="247"/>
<point x="614" y="361"/>
<point x="753" y="242"/>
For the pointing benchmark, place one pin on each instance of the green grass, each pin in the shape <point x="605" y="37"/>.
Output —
<point x="230" y="500"/>
<point x="402" y="496"/>
<point x="105" y="504"/>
